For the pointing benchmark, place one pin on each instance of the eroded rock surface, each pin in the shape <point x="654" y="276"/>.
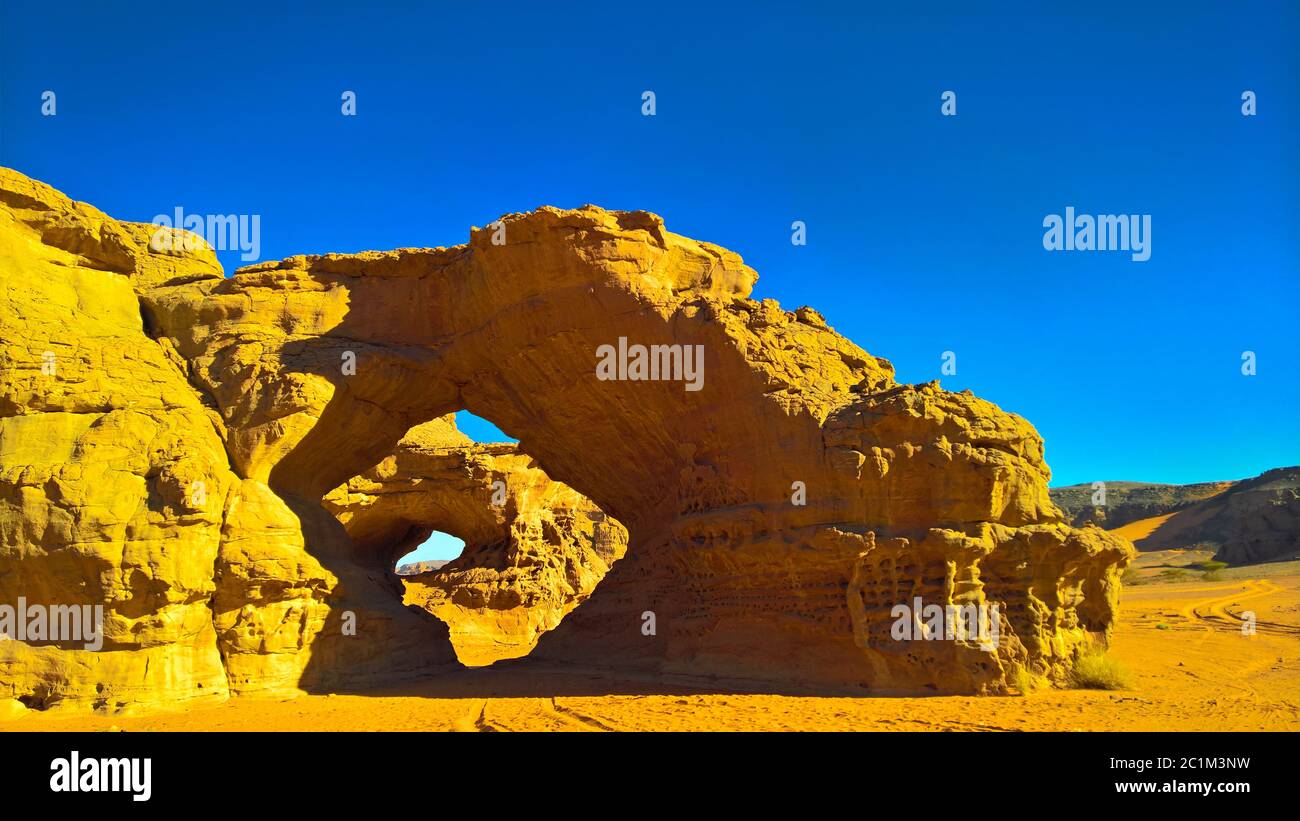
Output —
<point x="775" y="516"/>
<point x="116" y="490"/>
<point x="534" y="548"/>
<point x="104" y="447"/>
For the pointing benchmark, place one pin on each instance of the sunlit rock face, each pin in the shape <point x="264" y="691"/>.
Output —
<point x="116" y="490"/>
<point x="779" y="505"/>
<point x="534" y="548"/>
<point x="104" y="446"/>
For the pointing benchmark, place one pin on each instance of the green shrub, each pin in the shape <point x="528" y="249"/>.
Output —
<point x="1027" y="681"/>
<point x="1093" y="670"/>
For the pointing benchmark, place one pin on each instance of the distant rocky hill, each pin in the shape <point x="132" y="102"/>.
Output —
<point x="414" y="568"/>
<point x="1251" y="520"/>
<point x="1128" y="502"/>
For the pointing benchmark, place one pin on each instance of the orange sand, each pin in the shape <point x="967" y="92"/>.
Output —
<point x="1133" y="531"/>
<point x="1191" y="669"/>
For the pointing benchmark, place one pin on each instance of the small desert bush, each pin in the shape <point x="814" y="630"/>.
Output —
<point x="1162" y="626"/>
<point x="1173" y="575"/>
<point x="1027" y="681"/>
<point x="1131" y="576"/>
<point x="1211" y="569"/>
<point x="1093" y="670"/>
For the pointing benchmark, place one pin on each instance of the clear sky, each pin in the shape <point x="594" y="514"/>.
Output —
<point x="924" y="231"/>
<point x="480" y="429"/>
<point x="439" y="545"/>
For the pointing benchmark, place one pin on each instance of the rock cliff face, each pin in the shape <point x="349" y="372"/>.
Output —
<point x="116" y="489"/>
<point x="1257" y="520"/>
<point x="776" y="516"/>
<point x="113" y="475"/>
<point x="534" y="548"/>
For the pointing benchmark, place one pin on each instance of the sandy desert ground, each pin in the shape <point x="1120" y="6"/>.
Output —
<point x="1190" y="669"/>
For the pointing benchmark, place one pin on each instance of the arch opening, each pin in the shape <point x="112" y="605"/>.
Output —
<point x="479" y="536"/>
<point x="481" y="430"/>
<point x="437" y="549"/>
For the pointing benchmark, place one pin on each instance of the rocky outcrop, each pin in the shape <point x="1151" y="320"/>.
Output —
<point x="116" y="491"/>
<point x="1257" y="520"/>
<point x="781" y="500"/>
<point x="113" y="474"/>
<point x="534" y="548"/>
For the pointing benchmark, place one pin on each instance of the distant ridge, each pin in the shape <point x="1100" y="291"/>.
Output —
<point x="413" y="568"/>
<point x="1128" y="502"/>
<point x="1251" y="520"/>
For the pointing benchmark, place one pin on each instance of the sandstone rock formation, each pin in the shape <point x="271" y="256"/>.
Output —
<point x="534" y="548"/>
<point x="113" y="473"/>
<point x="116" y="490"/>
<point x="775" y="517"/>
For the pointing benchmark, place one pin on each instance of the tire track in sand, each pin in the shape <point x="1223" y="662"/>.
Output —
<point x="1213" y="612"/>
<point x="589" y="721"/>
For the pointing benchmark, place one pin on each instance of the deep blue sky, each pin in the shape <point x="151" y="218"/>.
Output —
<point x="924" y="232"/>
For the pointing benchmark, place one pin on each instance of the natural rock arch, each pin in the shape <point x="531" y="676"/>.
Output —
<point x="913" y="481"/>
<point x="534" y="548"/>
<point x="908" y="490"/>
